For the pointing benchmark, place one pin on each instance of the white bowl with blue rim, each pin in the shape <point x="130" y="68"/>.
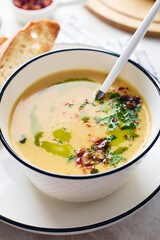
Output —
<point x="88" y="187"/>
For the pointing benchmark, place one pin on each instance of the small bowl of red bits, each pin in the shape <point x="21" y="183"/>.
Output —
<point x="33" y="10"/>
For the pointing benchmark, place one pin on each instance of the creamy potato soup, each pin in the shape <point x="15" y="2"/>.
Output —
<point x="56" y="124"/>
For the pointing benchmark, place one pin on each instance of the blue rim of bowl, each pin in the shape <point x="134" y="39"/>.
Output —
<point x="71" y="177"/>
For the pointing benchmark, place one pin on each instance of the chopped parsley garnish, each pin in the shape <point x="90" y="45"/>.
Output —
<point x="111" y="121"/>
<point x="70" y="158"/>
<point x="113" y="95"/>
<point x="110" y="138"/>
<point x="100" y="101"/>
<point x="70" y="105"/>
<point x="22" y="139"/>
<point x="99" y="152"/>
<point x="93" y="104"/>
<point x="97" y="119"/>
<point x="115" y="159"/>
<point x="93" y="171"/>
<point x="129" y="125"/>
<point x="137" y="108"/>
<point x="83" y="105"/>
<point x="92" y="148"/>
<point x="125" y="112"/>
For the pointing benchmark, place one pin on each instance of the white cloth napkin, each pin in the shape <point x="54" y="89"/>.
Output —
<point x="73" y="32"/>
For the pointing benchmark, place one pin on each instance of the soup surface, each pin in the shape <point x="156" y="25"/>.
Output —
<point x="57" y="125"/>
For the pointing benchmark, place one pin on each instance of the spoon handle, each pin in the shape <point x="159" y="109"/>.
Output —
<point x="137" y="36"/>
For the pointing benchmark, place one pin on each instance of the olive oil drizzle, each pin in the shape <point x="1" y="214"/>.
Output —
<point x="120" y="125"/>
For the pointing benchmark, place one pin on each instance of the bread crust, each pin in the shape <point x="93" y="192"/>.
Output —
<point x="32" y="40"/>
<point x="2" y="39"/>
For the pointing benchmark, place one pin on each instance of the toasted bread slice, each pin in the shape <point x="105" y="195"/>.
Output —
<point x="34" y="39"/>
<point x="2" y="39"/>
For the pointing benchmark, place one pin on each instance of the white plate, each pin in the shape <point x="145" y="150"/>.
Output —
<point x="24" y="206"/>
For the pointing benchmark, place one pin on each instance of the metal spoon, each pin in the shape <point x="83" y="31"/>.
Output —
<point x="137" y="36"/>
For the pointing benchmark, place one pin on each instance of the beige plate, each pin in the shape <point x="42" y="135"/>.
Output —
<point x="125" y="14"/>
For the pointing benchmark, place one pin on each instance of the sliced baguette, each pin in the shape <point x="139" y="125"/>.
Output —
<point x="34" y="39"/>
<point x="2" y="39"/>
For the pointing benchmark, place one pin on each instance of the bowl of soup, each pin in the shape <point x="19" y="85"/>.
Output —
<point x="71" y="146"/>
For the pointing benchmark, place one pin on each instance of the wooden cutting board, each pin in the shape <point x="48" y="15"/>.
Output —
<point x="125" y="14"/>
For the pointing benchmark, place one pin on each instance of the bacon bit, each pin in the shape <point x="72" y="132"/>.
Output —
<point x="89" y="167"/>
<point x="99" y="141"/>
<point x="79" y="161"/>
<point x="89" y="135"/>
<point x="78" y="165"/>
<point x="131" y="101"/>
<point x="87" y="124"/>
<point x="86" y="158"/>
<point x="94" y="140"/>
<point x="76" y="115"/>
<point x="136" y="99"/>
<point x="87" y="164"/>
<point x="98" y="159"/>
<point x="64" y="113"/>
<point x="126" y="136"/>
<point x="121" y="88"/>
<point x="130" y="105"/>
<point x="114" y="120"/>
<point x="106" y="161"/>
<point x="126" y="98"/>
<point x="100" y="145"/>
<point x="86" y="100"/>
<point x="84" y="171"/>
<point x="136" y="121"/>
<point x="80" y="153"/>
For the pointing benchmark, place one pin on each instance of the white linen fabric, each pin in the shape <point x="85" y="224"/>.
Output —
<point x="73" y="32"/>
